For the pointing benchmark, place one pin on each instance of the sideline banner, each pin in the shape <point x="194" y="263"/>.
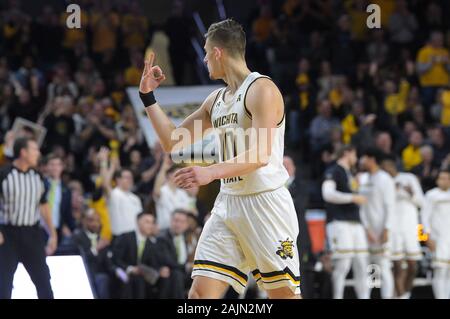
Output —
<point x="178" y="103"/>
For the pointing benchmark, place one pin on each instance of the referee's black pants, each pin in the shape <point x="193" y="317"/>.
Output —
<point x="24" y="244"/>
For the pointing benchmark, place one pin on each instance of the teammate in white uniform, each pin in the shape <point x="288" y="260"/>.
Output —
<point x="253" y="226"/>
<point x="404" y="239"/>
<point x="377" y="215"/>
<point x="436" y="223"/>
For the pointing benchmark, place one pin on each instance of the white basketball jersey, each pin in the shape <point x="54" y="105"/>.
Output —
<point x="231" y="121"/>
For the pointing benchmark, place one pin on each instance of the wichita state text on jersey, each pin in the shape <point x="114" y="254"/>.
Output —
<point x="232" y="121"/>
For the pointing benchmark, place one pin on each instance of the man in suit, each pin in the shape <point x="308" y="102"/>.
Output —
<point x="95" y="254"/>
<point x="177" y="254"/>
<point x="59" y="198"/>
<point x="139" y="261"/>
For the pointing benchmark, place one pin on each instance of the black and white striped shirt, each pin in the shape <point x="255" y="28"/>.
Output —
<point x="21" y="193"/>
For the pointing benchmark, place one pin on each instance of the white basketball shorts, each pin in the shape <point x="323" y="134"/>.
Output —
<point x="256" y="233"/>
<point x="346" y="239"/>
<point x="441" y="257"/>
<point x="405" y="245"/>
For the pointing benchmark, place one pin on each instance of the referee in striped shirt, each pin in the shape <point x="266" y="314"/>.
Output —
<point x="22" y="203"/>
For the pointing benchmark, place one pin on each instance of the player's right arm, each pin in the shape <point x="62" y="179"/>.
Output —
<point x="389" y="193"/>
<point x="152" y="77"/>
<point x="426" y="212"/>
<point x="418" y="196"/>
<point x="330" y="193"/>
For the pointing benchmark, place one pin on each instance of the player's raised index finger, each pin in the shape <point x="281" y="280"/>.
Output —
<point x="150" y="59"/>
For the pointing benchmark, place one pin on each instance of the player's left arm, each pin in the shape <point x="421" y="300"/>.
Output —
<point x="426" y="212"/>
<point x="418" y="196"/>
<point x="265" y="103"/>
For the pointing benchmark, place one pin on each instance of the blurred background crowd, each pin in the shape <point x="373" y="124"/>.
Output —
<point x="342" y="83"/>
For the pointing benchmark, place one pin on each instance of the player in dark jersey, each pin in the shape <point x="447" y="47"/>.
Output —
<point x="345" y="234"/>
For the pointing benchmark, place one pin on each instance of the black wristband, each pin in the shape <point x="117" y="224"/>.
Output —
<point x="147" y="99"/>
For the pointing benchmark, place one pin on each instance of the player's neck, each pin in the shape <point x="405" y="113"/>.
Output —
<point x="344" y="164"/>
<point x="235" y="74"/>
<point x="21" y="165"/>
<point x="374" y="170"/>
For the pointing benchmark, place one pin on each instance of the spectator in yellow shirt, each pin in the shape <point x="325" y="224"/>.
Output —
<point x="134" y="28"/>
<point x="440" y="111"/>
<point x="445" y="111"/>
<point x="262" y="27"/>
<point x="100" y="207"/>
<point x="358" y="17"/>
<point x="303" y="83"/>
<point x="411" y="155"/>
<point x="353" y="121"/>
<point x="301" y="113"/>
<point x="395" y="102"/>
<point x="104" y="25"/>
<point x="73" y="36"/>
<point x="6" y="147"/>
<point x="387" y="9"/>
<point x="2" y="155"/>
<point x="134" y="71"/>
<point x="433" y="66"/>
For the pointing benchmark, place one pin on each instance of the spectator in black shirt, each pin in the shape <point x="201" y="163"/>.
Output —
<point x="59" y="124"/>
<point x="98" y="129"/>
<point x="178" y="29"/>
<point x="47" y="35"/>
<point x="439" y="143"/>
<point x="87" y="240"/>
<point x="25" y="106"/>
<point x="428" y="170"/>
<point x="342" y="51"/>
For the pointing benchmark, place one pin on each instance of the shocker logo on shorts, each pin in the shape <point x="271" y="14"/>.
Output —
<point x="285" y="249"/>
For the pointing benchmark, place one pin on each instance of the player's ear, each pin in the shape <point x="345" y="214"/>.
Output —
<point x="217" y="53"/>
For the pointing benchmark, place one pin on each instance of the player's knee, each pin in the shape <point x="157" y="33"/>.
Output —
<point x="398" y="266"/>
<point x="282" y="293"/>
<point x="198" y="290"/>
<point x="412" y="266"/>
<point x="193" y="293"/>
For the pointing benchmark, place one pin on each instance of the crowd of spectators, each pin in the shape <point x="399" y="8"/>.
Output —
<point x="113" y="196"/>
<point x="346" y="83"/>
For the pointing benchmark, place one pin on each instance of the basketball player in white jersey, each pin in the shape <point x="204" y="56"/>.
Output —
<point x="436" y="223"/>
<point x="405" y="242"/>
<point x="377" y="215"/>
<point x="253" y="226"/>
